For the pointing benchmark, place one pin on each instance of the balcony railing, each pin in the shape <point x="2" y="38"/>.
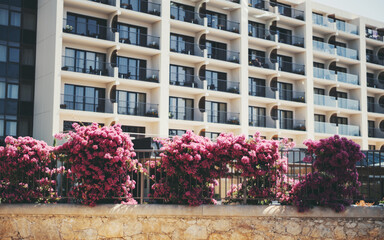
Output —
<point x="324" y="74"/>
<point x="186" y="48"/>
<point x="375" y="107"/>
<point x="144" y="40"/>
<point x="86" y="66"/>
<point x="262" y="121"/>
<point x="107" y="2"/>
<point x="185" y="113"/>
<point x="347" y="52"/>
<point x="138" y="108"/>
<point x="375" y="133"/>
<point x="185" y="80"/>
<point x="223" y="85"/>
<point x="347" y="27"/>
<point x="348" y="104"/>
<point x="292" y="124"/>
<point x="371" y="58"/>
<point x="290" y="95"/>
<point x="142" y="6"/>
<point x="137" y="73"/>
<point x="88" y="30"/>
<point x="323" y="47"/>
<point x="325" y="127"/>
<point x="223" y="54"/>
<point x="291" y="39"/>
<point x="225" y="25"/>
<point x="186" y="16"/>
<point x="292" y="67"/>
<point x="259" y="4"/>
<point x="223" y="117"/>
<point x="374" y="36"/>
<point x="374" y="83"/>
<point x="261" y="91"/>
<point x="288" y="11"/>
<point x="324" y="100"/>
<point x="348" y="78"/>
<point x="349" y="130"/>
<point x="322" y="21"/>
<point x="83" y="103"/>
<point x="261" y="62"/>
<point x="262" y="33"/>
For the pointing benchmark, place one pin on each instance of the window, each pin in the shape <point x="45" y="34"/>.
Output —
<point x="3" y="17"/>
<point x="342" y="94"/>
<point x="217" y="112"/>
<point x="15" y="19"/>
<point x="14" y="55"/>
<point x="134" y="129"/>
<point x="257" y="30"/>
<point x="285" y="119"/>
<point x="132" y="34"/>
<point x="67" y="126"/>
<point x="131" y="103"/>
<point x="12" y="91"/>
<point x="285" y="91"/>
<point x="84" y="98"/>
<point x="28" y="57"/>
<point x="182" y="12"/>
<point x="318" y="65"/>
<point x="319" y="118"/>
<point x="216" y="80"/>
<point x="2" y="90"/>
<point x="256" y="87"/>
<point x="3" y="53"/>
<point x="216" y="20"/>
<point x="180" y="75"/>
<point x="132" y="68"/>
<point x="176" y="132"/>
<point x="84" y="62"/>
<point x="339" y="120"/>
<point x="212" y="135"/>
<point x="257" y="116"/>
<point x="371" y="104"/>
<point x="11" y="128"/>
<point x="372" y="147"/>
<point x="284" y="62"/>
<point x="87" y="26"/>
<point x="371" y="128"/>
<point x="319" y="91"/>
<point x="216" y="50"/>
<point x="182" y="44"/>
<point x="181" y="108"/>
<point x="319" y="39"/>
<point x="29" y="21"/>
<point x="284" y="35"/>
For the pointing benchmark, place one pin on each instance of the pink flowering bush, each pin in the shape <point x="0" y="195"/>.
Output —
<point x="190" y="170"/>
<point x="260" y="165"/>
<point x="334" y="181"/>
<point x="100" y="160"/>
<point x="26" y="173"/>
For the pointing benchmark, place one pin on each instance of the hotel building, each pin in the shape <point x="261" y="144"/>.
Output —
<point x="295" y="69"/>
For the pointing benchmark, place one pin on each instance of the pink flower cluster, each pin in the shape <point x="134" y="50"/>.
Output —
<point x="334" y="181"/>
<point x="100" y="160"/>
<point x="26" y="171"/>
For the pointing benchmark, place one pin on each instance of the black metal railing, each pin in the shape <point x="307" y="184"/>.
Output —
<point x="138" y="73"/>
<point x="137" y="108"/>
<point x="292" y="67"/>
<point x="134" y="38"/>
<point x="81" y="65"/>
<point x="84" y="103"/>
<point x="293" y="40"/>
<point x="223" y="117"/>
<point x="292" y="124"/>
<point x="185" y="113"/>
<point x="185" y="80"/>
<point x="262" y="121"/>
<point x="107" y="2"/>
<point x="261" y="62"/>
<point x="226" y="25"/>
<point x="189" y="48"/>
<point x="141" y="6"/>
<point x="262" y="33"/>
<point x="89" y="30"/>
<point x="223" y="54"/>
<point x="290" y="95"/>
<point x="187" y="16"/>
<point x="222" y="85"/>
<point x="261" y="91"/>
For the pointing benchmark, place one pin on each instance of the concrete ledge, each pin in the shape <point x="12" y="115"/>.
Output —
<point x="184" y="211"/>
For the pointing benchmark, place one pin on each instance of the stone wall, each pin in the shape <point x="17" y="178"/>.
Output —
<point x="64" y="221"/>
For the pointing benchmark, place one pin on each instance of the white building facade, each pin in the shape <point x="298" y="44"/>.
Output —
<point x="294" y="69"/>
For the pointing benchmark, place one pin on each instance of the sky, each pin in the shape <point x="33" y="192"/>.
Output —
<point x="368" y="8"/>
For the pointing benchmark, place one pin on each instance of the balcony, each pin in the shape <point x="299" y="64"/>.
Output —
<point x="292" y="67"/>
<point x="137" y="73"/>
<point x="293" y="40"/>
<point x="375" y="133"/>
<point x="375" y="108"/>
<point x="348" y="78"/>
<point x="186" y="80"/>
<point x="371" y="58"/>
<point x="107" y="2"/>
<point x="262" y="121"/>
<point x="292" y="124"/>
<point x="348" y="104"/>
<point x="185" y="113"/>
<point x="262" y="91"/>
<point x="186" y="48"/>
<point x="325" y="127"/>
<point x="322" y="21"/>
<point x="375" y="36"/>
<point x="348" y="130"/>
<point x="324" y="74"/>
<point x="223" y="54"/>
<point x="282" y="9"/>
<point x="347" y="28"/>
<point x="88" y="30"/>
<point x="289" y="95"/>
<point x="86" y="66"/>
<point x="142" y="40"/>
<point x="187" y="16"/>
<point x="141" y="6"/>
<point x="323" y="47"/>
<point x="261" y="62"/>
<point x="374" y="83"/>
<point x="225" y="25"/>
<point x="223" y="85"/>
<point x="347" y="53"/>
<point x="262" y="33"/>
<point x="324" y="100"/>
<point x="138" y="108"/>
<point x="88" y="104"/>
<point x="223" y="117"/>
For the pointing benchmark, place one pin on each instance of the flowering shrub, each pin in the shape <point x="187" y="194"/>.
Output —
<point x="334" y="180"/>
<point x="100" y="160"/>
<point x="260" y="164"/>
<point x="25" y="171"/>
<point x="191" y="170"/>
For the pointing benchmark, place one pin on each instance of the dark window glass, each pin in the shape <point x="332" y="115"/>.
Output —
<point x="216" y="80"/>
<point x="132" y="34"/>
<point x="256" y="87"/>
<point x="84" y="62"/>
<point x="87" y="26"/>
<point x="83" y="98"/>
<point x="216" y="20"/>
<point x="131" y="68"/>
<point x="131" y="103"/>
<point x="216" y="50"/>
<point x="181" y="108"/>
<point x="217" y="112"/>
<point x="180" y="75"/>
<point x="182" y="12"/>
<point x="257" y="116"/>
<point x="140" y="131"/>
<point x="285" y="119"/>
<point x="319" y="91"/>
<point x="182" y="44"/>
<point x="176" y="132"/>
<point x="285" y="91"/>
<point x="257" y="30"/>
<point x="319" y="118"/>
<point x="318" y="65"/>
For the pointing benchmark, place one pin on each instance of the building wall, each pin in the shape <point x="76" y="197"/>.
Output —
<point x="181" y="222"/>
<point x="52" y="41"/>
